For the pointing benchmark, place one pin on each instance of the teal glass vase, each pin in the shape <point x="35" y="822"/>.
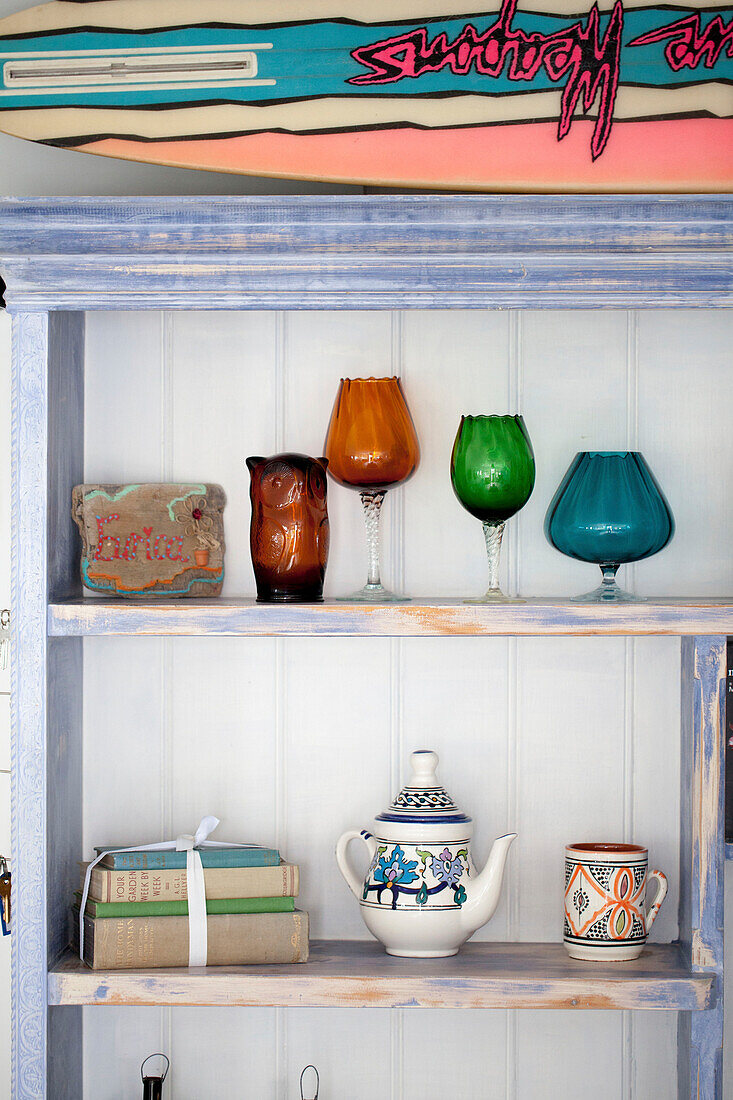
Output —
<point x="610" y="510"/>
<point x="492" y="473"/>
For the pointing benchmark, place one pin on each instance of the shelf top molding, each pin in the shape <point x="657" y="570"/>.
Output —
<point x="418" y="618"/>
<point x="367" y="252"/>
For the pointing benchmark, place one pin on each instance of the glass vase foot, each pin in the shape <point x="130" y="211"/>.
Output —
<point x="373" y="593"/>
<point x="607" y="593"/>
<point x="495" y="595"/>
<point x="608" y="590"/>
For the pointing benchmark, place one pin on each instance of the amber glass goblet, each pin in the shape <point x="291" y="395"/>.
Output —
<point x="371" y="446"/>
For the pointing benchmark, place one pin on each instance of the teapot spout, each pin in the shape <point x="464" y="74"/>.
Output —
<point x="485" y="890"/>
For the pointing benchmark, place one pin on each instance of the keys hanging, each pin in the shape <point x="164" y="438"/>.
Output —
<point x="5" y="895"/>
<point x="4" y="639"/>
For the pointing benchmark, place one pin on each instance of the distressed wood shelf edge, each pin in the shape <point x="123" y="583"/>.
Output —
<point x="345" y="281"/>
<point x="421" y="617"/>
<point x="364" y="252"/>
<point x="360" y="975"/>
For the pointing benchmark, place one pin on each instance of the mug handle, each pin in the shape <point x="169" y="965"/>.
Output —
<point x="354" y="881"/>
<point x="660" y="895"/>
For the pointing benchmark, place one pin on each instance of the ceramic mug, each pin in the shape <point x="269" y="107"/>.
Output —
<point x="606" y="915"/>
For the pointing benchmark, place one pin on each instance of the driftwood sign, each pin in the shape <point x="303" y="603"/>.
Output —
<point x="151" y="540"/>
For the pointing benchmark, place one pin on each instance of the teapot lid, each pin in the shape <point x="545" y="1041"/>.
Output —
<point x="423" y="800"/>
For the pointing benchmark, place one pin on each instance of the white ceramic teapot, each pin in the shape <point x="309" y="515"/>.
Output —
<point x="422" y="896"/>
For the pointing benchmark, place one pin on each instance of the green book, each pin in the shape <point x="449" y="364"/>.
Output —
<point x="214" y="907"/>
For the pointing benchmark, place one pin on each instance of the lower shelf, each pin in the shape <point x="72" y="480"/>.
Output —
<point x="343" y="974"/>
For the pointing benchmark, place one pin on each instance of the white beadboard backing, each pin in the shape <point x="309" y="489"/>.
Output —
<point x="5" y="730"/>
<point x="293" y="741"/>
<point x="685" y="432"/>
<point x="5" y="1008"/>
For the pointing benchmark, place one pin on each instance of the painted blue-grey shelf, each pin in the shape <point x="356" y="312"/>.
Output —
<point x="62" y="257"/>
<point x="415" y="618"/>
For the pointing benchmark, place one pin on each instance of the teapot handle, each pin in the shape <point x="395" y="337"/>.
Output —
<point x="353" y="881"/>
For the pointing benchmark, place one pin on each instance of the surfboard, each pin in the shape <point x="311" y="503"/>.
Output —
<point x="546" y="95"/>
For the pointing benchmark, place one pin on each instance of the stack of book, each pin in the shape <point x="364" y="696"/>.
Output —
<point x="136" y="914"/>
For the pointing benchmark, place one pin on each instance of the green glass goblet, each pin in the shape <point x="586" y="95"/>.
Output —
<point x="492" y="472"/>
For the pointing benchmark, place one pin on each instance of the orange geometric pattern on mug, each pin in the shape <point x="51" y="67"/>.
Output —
<point x="613" y="896"/>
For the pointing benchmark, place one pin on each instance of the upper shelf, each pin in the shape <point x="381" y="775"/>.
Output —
<point x="368" y="252"/>
<point x="420" y="617"/>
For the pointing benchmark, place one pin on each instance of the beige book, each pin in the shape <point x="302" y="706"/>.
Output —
<point x="147" y="942"/>
<point x="170" y="885"/>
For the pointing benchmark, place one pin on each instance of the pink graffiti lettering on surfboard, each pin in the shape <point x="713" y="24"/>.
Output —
<point x="590" y="65"/>
<point x="689" y="45"/>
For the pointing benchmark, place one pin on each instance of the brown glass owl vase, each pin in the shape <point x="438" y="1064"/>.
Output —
<point x="289" y="532"/>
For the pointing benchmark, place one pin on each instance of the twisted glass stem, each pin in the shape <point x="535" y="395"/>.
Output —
<point x="493" y="533"/>
<point x="372" y="505"/>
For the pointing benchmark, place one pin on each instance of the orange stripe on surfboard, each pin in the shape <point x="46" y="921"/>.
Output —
<point x="679" y="155"/>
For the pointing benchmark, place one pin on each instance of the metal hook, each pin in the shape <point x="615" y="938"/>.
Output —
<point x="165" y="1059"/>
<point x="318" y="1082"/>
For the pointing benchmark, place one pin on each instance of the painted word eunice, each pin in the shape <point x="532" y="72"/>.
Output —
<point x="156" y="547"/>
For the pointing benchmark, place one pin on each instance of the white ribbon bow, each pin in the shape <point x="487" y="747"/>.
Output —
<point x="195" y="887"/>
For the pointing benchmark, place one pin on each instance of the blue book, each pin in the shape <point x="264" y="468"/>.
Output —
<point x="173" y="861"/>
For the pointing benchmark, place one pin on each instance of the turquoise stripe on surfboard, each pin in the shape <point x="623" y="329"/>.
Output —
<point x="314" y="60"/>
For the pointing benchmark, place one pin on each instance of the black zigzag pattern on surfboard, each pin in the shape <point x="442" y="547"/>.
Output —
<point x="261" y="28"/>
<point x="73" y="142"/>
